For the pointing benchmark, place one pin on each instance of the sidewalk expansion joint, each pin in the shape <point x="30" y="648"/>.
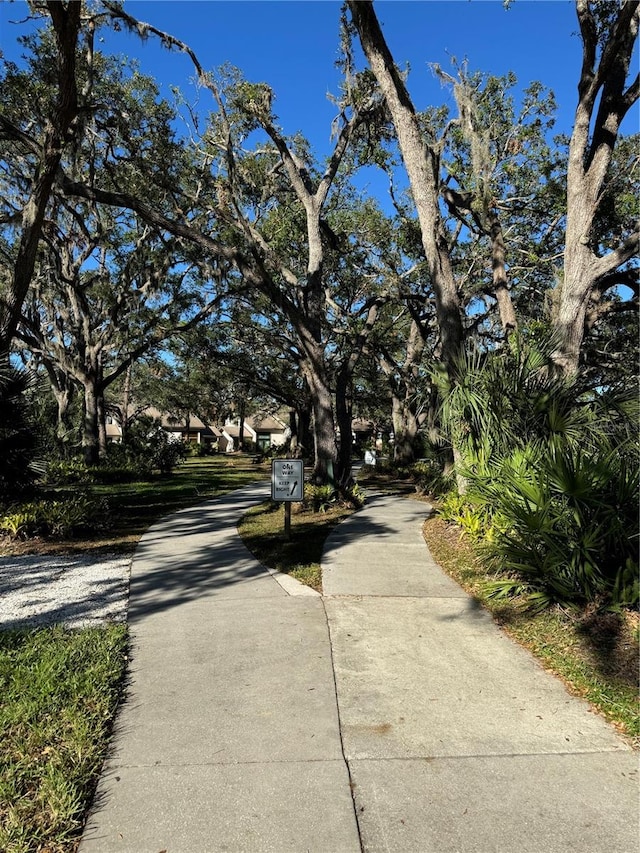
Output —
<point x="361" y="596"/>
<point x="169" y="765"/>
<point x="342" y="747"/>
<point x="483" y="755"/>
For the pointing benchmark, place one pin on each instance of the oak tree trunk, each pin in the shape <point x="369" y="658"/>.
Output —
<point x="422" y="163"/>
<point x="344" y="423"/>
<point x="300" y="426"/>
<point x="603" y="101"/>
<point x="66" y="23"/>
<point x="405" y="429"/>
<point x="506" y="310"/>
<point x="90" y="439"/>
<point x="324" y="436"/>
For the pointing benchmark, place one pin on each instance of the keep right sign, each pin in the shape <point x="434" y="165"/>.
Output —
<point x="287" y="479"/>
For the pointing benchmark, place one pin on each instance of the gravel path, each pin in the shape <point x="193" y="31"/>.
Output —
<point x="75" y="591"/>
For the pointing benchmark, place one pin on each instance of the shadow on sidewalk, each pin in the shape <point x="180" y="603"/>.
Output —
<point x="198" y="554"/>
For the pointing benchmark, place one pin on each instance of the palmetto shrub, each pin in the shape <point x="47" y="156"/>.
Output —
<point x="512" y="398"/>
<point x="18" y="446"/>
<point x="551" y="469"/>
<point x="55" y="518"/>
<point x="568" y="528"/>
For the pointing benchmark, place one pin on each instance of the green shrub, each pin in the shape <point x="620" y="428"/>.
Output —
<point x="18" y="444"/>
<point x="166" y="454"/>
<point x="429" y="477"/>
<point x="193" y="449"/>
<point x="127" y="473"/>
<point x="474" y="515"/>
<point x="67" y="472"/>
<point x="148" y="448"/>
<point x="570" y="526"/>
<point x="551" y="472"/>
<point x="19" y="523"/>
<point x="319" y="498"/>
<point x="65" y="517"/>
<point x="385" y="465"/>
<point x="117" y="468"/>
<point x="118" y="455"/>
<point x="323" y="498"/>
<point x="353" y="495"/>
<point x="55" y="518"/>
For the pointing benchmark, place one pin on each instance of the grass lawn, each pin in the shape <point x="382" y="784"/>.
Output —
<point x="262" y="530"/>
<point x="58" y="695"/>
<point x="134" y="506"/>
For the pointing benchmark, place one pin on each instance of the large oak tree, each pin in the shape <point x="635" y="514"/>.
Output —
<point x="609" y="33"/>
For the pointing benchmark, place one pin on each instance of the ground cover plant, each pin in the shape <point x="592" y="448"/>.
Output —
<point x="58" y="694"/>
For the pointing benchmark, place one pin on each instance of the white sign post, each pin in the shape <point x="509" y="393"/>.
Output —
<point x="287" y="485"/>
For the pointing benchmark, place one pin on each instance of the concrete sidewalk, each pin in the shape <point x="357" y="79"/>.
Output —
<point x="456" y="739"/>
<point x="443" y="735"/>
<point x="228" y="739"/>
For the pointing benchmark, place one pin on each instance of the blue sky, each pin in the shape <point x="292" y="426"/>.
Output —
<point x="293" y="46"/>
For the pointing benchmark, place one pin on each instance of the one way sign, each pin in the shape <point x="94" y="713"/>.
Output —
<point x="287" y="479"/>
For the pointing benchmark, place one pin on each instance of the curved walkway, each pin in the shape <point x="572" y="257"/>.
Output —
<point x="389" y="714"/>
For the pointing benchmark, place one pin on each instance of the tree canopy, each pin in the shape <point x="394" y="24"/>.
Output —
<point x="127" y="220"/>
